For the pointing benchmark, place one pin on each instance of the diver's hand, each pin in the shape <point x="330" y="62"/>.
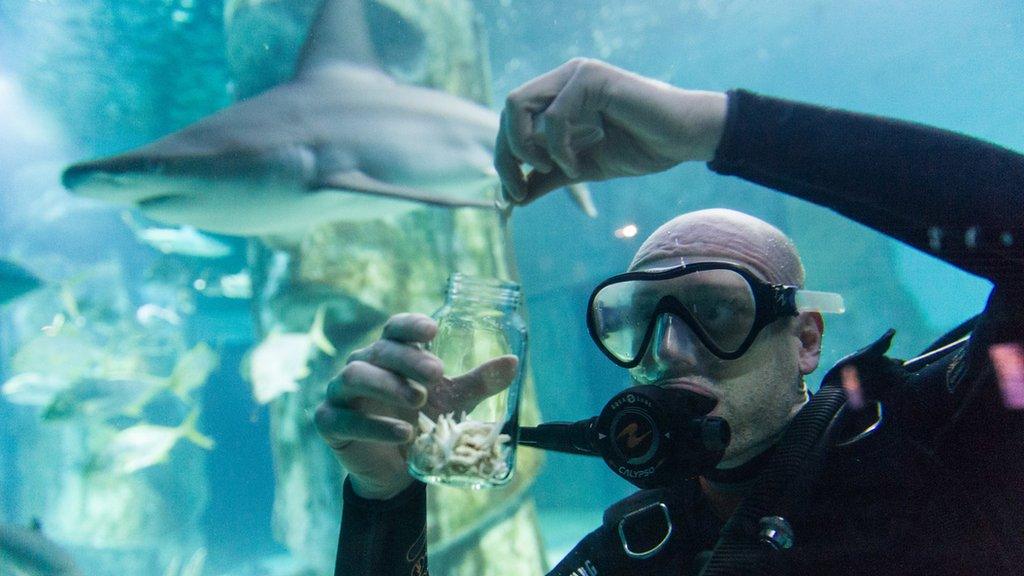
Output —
<point x="588" y="120"/>
<point x="370" y="409"/>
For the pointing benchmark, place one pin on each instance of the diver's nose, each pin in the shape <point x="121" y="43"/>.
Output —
<point x="674" y="344"/>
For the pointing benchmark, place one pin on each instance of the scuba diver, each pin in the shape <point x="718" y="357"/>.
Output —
<point x="890" y="468"/>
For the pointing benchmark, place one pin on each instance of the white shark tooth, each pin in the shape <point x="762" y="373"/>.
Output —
<point x="426" y="424"/>
<point x="461" y="447"/>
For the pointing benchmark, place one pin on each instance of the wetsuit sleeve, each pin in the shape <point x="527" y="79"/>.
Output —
<point x="958" y="198"/>
<point x="383" y="537"/>
<point x="952" y="196"/>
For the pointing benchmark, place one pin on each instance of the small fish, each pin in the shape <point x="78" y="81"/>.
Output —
<point x="149" y="313"/>
<point x="192" y="370"/>
<point x="47" y="365"/>
<point x="145" y="445"/>
<point x="16" y="281"/>
<point x="67" y="355"/>
<point x="184" y="240"/>
<point x="28" y="552"/>
<point x="70" y="378"/>
<point x="33" y="388"/>
<point x="236" y="285"/>
<point x="100" y="399"/>
<point x="279" y="362"/>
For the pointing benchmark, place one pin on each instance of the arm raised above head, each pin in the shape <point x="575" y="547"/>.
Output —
<point x="955" y="197"/>
<point x="588" y="120"/>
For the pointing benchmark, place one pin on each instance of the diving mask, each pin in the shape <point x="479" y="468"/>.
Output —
<point x="724" y="304"/>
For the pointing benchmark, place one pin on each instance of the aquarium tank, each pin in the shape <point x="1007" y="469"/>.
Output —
<point x="166" y="334"/>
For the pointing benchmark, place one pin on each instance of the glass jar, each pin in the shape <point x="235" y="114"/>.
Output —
<point x="479" y="321"/>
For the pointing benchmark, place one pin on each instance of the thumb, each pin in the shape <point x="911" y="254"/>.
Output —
<point x="485" y="380"/>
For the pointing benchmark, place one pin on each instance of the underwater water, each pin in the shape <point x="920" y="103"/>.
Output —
<point x="158" y="384"/>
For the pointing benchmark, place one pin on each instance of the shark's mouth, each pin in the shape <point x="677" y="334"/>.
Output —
<point x="114" y="179"/>
<point x="154" y="202"/>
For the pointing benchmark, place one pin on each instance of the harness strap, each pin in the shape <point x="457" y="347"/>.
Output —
<point x="759" y="528"/>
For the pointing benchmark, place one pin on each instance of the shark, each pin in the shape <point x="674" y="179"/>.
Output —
<point x="28" y="551"/>
<point x="16" y="281"/>
<point x="342" y="140"/>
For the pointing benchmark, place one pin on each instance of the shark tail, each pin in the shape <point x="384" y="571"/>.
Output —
<point x="193" y="435"/>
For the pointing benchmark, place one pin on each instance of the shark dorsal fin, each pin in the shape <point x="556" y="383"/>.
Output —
<point x="339" y="33"/>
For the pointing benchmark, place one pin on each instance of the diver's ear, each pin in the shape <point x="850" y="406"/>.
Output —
<point x="809" y="328"/>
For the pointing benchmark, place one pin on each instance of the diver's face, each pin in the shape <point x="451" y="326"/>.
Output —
<point x="757" y="393"/>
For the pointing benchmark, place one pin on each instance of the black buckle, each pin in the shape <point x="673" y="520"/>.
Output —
<point x="635" y="525"/>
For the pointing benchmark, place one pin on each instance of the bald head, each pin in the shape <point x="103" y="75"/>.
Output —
<point x="719" y="233"/>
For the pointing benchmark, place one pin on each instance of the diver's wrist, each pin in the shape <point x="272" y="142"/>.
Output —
<point x="706" y="121"/>
<point x="370" y="490"/>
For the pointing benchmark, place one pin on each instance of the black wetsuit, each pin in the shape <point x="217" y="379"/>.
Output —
<point x="938" y="487"/>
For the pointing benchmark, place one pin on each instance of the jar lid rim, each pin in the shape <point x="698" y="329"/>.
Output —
<point x="464" y="278"/>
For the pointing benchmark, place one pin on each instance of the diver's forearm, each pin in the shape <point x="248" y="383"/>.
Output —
<point x="958" y="198"/>
<point x="383" y="537"/>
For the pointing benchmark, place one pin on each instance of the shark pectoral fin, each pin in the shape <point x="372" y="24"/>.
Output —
<point x="581" y="195"/>
<point x="356" y="181"/>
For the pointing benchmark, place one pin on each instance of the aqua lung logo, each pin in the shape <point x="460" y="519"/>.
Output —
<point x="634" y="437"/>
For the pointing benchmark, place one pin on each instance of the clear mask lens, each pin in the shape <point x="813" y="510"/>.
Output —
<point x="718" y="304"/>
